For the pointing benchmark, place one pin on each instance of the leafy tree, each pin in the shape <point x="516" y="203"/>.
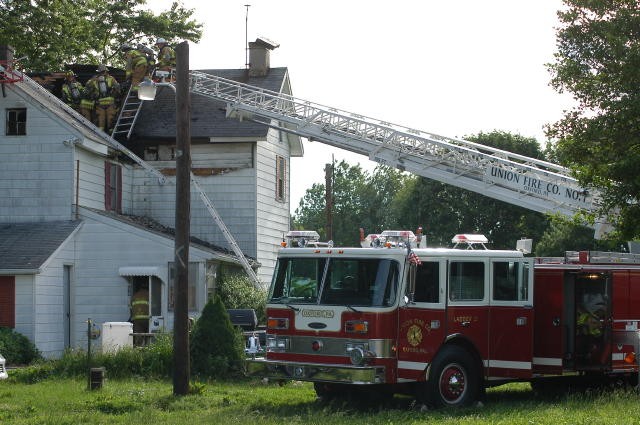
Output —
<point x="51" y="33"/>
<point x="444" y="210"/>
<point x="217" y="349"/>
<point x="598" y="62"/>
<point x="359" y="200"/>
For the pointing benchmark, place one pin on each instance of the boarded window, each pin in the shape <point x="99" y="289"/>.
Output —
<point x="7" y="301"/>
<point x="193" y="278"/>
<point x="16" y="123"/>
<point x="281" y="173"/>
<point x="112" y="187"/>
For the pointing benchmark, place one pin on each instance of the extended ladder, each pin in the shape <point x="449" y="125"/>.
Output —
<point x="127" y="116"/>
<point x="38" y="93"/>
<point x="517" y="179"/>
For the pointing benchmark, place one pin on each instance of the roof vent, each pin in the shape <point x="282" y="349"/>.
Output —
<point x="259" y="52"/>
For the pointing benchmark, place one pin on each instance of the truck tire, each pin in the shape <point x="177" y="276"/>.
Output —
<point x="453" y="379"/>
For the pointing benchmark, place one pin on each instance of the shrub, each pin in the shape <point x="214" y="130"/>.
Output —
<point x="217" y="349"/>
<point x="237" y="291"/>
<point x="16" y="348"/>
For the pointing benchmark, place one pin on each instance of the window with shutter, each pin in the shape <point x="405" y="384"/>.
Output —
<point x="281" y="166"/>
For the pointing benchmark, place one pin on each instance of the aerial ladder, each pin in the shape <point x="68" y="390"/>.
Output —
<point x="39" y="93"/>
<point x="528" y="182"/>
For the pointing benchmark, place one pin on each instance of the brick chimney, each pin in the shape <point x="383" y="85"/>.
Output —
<point x="259" y="56"/>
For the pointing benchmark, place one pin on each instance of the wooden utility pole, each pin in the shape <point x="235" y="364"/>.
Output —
<point x="181" y="363"/>
<point x="328" y="177"/>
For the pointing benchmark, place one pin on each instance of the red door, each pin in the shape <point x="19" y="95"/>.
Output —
<point x="422" y="321"/>
<point x="8" y="301"/>
<point x="510" y="318"/>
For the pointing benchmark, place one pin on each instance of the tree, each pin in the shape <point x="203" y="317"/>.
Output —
<point x="216" y="348"/>
<point x="444" y="210"/>
<point x="598" y="62"/>
<point x="237" y="291"/>
<point x="51" y="33"/>
<point x="359" y="200"/>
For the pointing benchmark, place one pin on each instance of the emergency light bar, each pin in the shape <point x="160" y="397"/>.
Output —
<point x="389" y="238"/>
<point x="303" y="238"/>
<point x="470" y="240"/>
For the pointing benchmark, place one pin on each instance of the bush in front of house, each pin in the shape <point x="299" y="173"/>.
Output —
<point x="237" y="291"/>
<point x="216" y="347"/>
<point x="16" y="348"/>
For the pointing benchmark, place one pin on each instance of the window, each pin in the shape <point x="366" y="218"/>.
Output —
<point x="466" y="281"/>
<point x="16" y="122"/>
<point x="427" y="283"/>
<point x="112" y="187"/>
<point x="510" y="281"/>
<point x="281" y="168"/>
<point x="193" y="279"/>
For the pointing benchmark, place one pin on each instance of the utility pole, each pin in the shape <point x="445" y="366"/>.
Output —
<point x="328" y="196"/>
<point x="181" y="363"/>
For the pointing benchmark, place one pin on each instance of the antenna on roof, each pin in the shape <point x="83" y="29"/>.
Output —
<point x="246" y="37"/>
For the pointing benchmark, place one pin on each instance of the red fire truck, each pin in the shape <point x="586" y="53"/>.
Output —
<point x="446" y="323"/>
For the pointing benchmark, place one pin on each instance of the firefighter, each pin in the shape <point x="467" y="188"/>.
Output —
<point x="253" y="345"/>
<point x="590" y="315"/>
<point x="72" y="91"/>
<point x="166" y="55"/>
<point x="106" y="92"/>
<point x="140" y="308"/>
<point x="137" y="66"/>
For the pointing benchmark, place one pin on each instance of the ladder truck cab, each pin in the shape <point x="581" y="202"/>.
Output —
<point x="444" y="324"/>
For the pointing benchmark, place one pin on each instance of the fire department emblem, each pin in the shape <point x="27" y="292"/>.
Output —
<point x="414" y="335"/>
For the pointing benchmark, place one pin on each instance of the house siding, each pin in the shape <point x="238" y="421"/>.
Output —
<point x="272" y="214"/>
<point x="35" y="177"/>
<point x="231" y="192"/>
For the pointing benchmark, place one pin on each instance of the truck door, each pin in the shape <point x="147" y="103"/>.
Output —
<point x="593" y="324"/>
<point x="511" y="318"/>
<point x="422" y="319"/>
<point x="468" y="300"/>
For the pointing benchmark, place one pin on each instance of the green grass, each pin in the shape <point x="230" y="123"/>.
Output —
<point x="66" y="401"/>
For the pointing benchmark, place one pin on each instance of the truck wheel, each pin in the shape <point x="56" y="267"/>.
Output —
<point x="453" y="379"/>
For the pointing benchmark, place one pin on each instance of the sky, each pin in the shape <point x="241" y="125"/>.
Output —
<point x="454" y="67"/>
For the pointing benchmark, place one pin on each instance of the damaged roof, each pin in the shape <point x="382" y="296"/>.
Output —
<point x="27" y="246"/>
<point x="157" y="119"/>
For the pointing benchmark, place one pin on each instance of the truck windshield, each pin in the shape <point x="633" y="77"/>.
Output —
<point x="336" y="281"/>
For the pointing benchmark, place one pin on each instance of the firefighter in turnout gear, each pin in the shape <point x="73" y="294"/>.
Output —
<point x="137" y="65"/>
<point x="72" y="91"/>
<point x="105" y="90"/>
<point x="166" y="55"/>
<point x="140" y="308"/>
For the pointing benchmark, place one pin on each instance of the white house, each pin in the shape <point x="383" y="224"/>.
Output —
<point x="81" y="225"/>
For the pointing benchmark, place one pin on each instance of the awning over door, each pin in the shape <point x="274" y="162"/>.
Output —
<point x="140" y="271"/>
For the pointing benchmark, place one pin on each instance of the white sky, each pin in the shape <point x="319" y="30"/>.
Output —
<point x="454" y="67"/>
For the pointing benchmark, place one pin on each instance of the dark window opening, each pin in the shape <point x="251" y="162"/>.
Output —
<point x="16" y="124"/>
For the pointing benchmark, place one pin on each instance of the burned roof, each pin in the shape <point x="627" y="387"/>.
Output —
<point x="157" y="118"/>
<point x="27" y="246"/>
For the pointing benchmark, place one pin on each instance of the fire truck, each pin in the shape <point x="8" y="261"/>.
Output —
<point x="446" y="323"/>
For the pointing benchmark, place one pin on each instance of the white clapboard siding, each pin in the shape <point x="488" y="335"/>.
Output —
<point x="272" y="214"/>
<point x="35" y="169"/>
<point x="25" y="311"/>
<point x="232" y="193"/>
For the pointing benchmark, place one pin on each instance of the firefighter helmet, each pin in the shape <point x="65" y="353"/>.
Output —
<point x="125" y="47"/>
<point x="70" y="74"/>
<point x="102" y="68"/>
<point x="161" y="41"/>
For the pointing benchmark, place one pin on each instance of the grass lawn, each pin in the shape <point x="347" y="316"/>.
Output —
<point x="138" y="402"/>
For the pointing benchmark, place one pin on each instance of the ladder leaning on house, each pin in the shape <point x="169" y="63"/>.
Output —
<point x="127" y="116"/>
